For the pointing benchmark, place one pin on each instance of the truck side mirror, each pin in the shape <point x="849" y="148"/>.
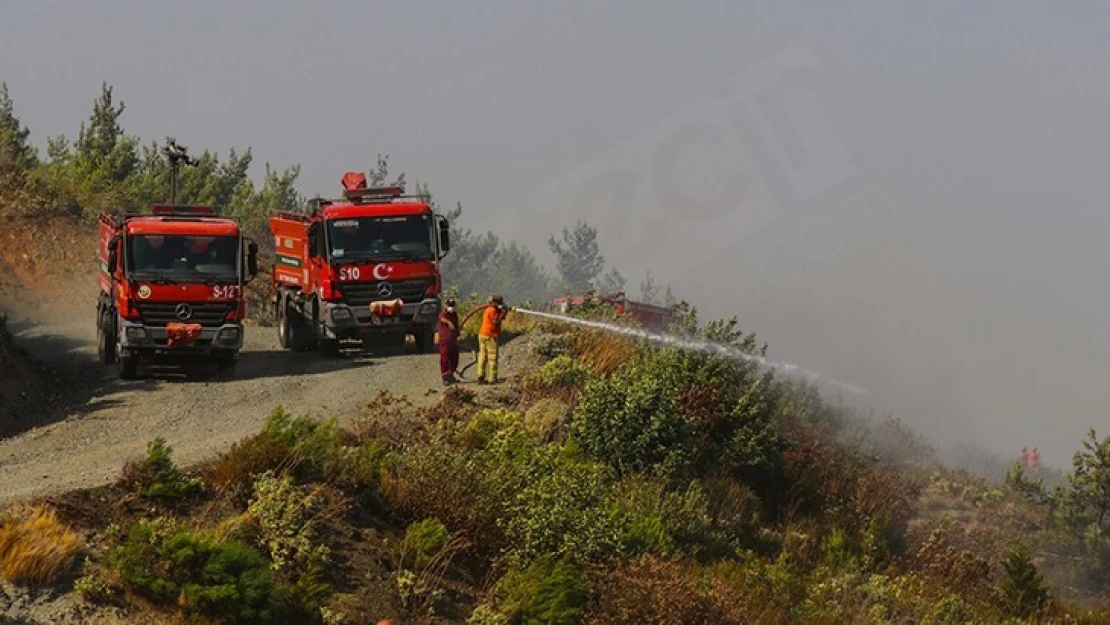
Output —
<point x="252" y="258"/>
<point x="113" y="256"/>
<point x="444" y="229"/>
<point x="312" y="247"/>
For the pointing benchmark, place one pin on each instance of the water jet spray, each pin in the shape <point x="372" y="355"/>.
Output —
<point x="705" y="347"/>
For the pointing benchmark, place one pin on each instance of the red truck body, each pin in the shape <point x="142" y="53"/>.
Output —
<point x="171" y="287"/>
<point x="364" y="268"/>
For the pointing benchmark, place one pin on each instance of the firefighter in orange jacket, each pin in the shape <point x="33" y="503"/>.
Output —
<point x="490" y="331"/>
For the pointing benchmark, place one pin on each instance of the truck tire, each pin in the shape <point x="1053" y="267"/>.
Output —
<point x="105" y="338"/>
<point x="293" y="332"/>
<point x="128" y="366"/>
<point x="285" y="331"/>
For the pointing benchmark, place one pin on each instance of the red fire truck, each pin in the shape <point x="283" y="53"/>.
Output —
<point x="364" y="267"/>
<point x="171" y="287"/>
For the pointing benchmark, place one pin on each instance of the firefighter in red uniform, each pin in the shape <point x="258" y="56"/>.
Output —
<point x="448" y="332"/>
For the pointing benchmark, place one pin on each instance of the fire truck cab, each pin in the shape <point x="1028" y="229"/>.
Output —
<point x="171" y="287"/>
<point x="364" y="267"/>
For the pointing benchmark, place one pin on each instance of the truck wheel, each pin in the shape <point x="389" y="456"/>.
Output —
<point x="105" y="340"/>
<point x="128" y="366"/>
<point x="285" y="332"/>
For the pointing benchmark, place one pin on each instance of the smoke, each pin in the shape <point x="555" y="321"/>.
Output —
<point x="704" y="347"/>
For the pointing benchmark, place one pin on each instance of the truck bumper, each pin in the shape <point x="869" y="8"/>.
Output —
<point x="343" y="321"/>
<point x="151" y="340"/>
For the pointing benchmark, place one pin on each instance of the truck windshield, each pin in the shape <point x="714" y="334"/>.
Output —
<point x="183" y="257"/>
<point x="381" y="238"/>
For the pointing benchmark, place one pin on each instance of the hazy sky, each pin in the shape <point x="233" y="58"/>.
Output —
<point x="907" y="196"/>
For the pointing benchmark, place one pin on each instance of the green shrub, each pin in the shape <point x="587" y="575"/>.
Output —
<point x="171" y="566"/>
<point x="481" y="428"/>
<point x="470" y="485"/>
<point x="566" y="511"/>
<point x="549" y="591"/>
<point x="677" y="414"/>
<point x="560" y="372"/>
<point x="423" y="540"/>
<point x="1024" y="591"/>
<point x="95" y="588"/>
<point x="951" y="610"/>
<point x="311" y="443"/>
<point x="632" y="422"/>
<point x="156" y="476"/>
<point x="288" y="517"/>
<point x="547" y="419"/>
<point x="666" y="522"/>
<point x="234" y="472"/>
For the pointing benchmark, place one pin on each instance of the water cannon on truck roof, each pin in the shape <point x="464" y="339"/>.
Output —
<point x="171" y="283"/>
<point x="362" y="267"/>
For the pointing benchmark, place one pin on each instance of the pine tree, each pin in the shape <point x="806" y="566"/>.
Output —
<point x="104" y="153"/>
<point x="14" y="135"/>
<point x="649" y="289"/>
<point x="1024" y="591"/>
<point x="610" y="283"/>
<point x="577" y="257"/>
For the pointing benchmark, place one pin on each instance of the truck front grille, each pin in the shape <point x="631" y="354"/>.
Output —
<point x="362" y="293"/>
<point x="207" y="314"/>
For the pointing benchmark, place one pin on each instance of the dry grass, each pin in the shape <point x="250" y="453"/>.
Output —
<point x="35" y="547"/>
<point x="519" y="323"/>
<point x="602" y="351"/>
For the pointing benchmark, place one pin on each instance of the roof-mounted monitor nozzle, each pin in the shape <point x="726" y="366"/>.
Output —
<point x="176" y="154"/>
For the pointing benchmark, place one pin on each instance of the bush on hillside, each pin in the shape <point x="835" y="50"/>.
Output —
<point x="423" y="541"/>
<point x="562" y="372"/>
<point x="174" y="567"/>
<point x="289" y="518"/>
<point x="549" y="590"/>
<point x="565" y="511"/>
<point x="653" y="589"/>
<point x="1024" y="592"/>
<point x="547" y="419"/>
<point x="679" y="414"/>
<point x="156" y="477"/>
<point x="667" y="522"/>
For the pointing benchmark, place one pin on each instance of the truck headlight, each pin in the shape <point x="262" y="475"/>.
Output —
<point x="136" y="334"/>
<point x="340" y="314"/>
<point x="427" y="308"/>
<point x="229" y="335"/>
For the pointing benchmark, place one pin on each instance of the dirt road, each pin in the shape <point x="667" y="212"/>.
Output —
<point x="103" y="420"/>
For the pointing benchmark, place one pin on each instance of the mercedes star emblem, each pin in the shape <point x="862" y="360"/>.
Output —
<point x="183" y="311"/>
<point x="385" y="289"/>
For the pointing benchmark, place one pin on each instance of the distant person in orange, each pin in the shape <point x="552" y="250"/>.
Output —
<point x="490" y="331"/>
<point x="1024" y="457"/>
<point x="1034" y="458"/>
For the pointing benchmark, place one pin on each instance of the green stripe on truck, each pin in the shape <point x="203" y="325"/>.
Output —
<point x="292" y="261"/>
